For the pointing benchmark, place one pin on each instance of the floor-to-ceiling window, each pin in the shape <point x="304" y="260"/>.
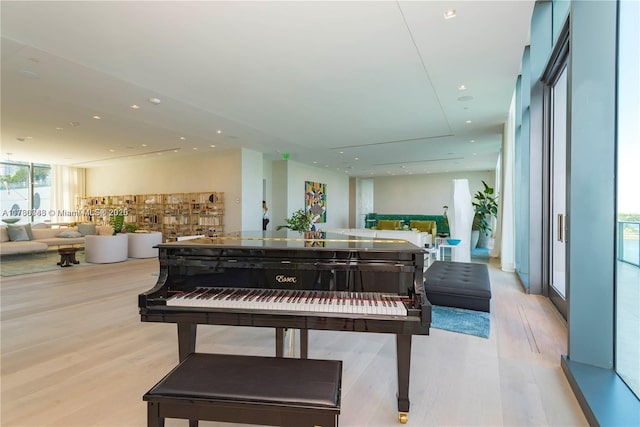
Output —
<point x="25" y="192"/>
<point x="628" y="198"/>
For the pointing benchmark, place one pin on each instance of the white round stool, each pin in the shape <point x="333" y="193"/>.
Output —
<point x="105" y="249"/>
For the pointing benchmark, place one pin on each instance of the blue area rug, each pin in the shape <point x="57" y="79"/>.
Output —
<point x="480" y="254"/>
<point x="459" y="320"/>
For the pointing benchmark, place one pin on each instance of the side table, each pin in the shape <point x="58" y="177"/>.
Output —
<point x="441" y="253"/>
<point x="67" y="257"/>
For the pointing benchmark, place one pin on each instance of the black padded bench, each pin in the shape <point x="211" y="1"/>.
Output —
<point x="248" y="389"/>
<point x="458" y="284"/>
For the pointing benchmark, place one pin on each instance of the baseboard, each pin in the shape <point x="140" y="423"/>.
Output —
<point x="604" y="398"/>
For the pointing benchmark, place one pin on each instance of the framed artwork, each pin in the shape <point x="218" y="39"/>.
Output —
<point x="315" y="198"/>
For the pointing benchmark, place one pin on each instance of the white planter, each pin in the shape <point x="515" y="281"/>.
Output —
<point x="475" y="235"/>
<point x="460" y="219"/>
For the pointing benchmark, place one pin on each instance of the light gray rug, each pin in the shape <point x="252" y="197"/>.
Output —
<point x="15" y="265"/>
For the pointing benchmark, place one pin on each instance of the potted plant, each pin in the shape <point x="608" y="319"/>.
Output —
<point x="485" y="206"/>
<point x="116" y="221"/>
<point x="299" y="221"/>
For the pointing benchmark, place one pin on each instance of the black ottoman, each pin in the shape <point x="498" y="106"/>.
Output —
<point x="458" y="284"/>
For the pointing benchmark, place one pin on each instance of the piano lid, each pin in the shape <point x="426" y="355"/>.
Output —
<point x="286" y="239"/>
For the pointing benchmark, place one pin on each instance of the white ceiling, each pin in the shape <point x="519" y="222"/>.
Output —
<point x="326" y="81"/>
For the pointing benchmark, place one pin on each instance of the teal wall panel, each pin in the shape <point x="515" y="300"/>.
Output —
<point x="591" y="208"/>
<point x="560" y="14"/>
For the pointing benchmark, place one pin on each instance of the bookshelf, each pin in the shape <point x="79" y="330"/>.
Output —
<point x="174" y="214"/>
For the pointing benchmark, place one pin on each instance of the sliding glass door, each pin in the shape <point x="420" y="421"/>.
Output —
<point x="628" y="200"/>
<point x="555" y="122"/>
<point x="558" y="169"/>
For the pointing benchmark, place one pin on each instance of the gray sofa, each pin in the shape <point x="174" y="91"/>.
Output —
<point x="43" y="239"/>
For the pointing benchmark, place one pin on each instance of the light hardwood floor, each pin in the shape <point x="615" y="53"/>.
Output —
<point x="74" y="353"/>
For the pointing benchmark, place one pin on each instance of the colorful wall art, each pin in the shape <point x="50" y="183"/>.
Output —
<point x="315" y="197"/>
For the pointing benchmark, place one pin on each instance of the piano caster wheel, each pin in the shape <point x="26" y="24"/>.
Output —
<point x="403" y="417"/>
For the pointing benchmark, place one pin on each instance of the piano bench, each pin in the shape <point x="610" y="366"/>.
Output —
<point x="458" y="284"/>
<point x="248" y="389"/>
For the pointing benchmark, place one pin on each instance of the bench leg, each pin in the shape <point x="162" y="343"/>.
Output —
<point x="153" y="415"/>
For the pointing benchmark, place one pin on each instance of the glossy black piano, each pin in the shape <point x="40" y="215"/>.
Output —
<point x="284" y="279"/>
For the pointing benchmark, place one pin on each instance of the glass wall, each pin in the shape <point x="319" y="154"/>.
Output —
<point x="628" y="201"/>
<point x="25" y="192"/>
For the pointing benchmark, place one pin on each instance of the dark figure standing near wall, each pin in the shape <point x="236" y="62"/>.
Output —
<point x="265" y="215"/>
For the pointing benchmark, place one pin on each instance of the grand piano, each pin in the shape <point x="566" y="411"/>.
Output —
<point x="287" y="280"/>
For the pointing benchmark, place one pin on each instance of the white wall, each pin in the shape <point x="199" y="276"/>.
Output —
<point x="363" y="201"/>
<point x="217" y="171"/>
<point x="267" y="177"/>
<point x="288" y="178"/>
<point x="223" y="171"/>
<point x="422" y="194"/>
<point x="252" y="174"/>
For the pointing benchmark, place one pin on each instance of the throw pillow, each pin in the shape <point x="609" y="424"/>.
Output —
<point x="87" y="229"/>
<point x="39" y="225"/>
<point x="4" y="234"/>
<point x="18" y="233"/>
<point x="27" y="227"/>
<point x="69" y="233"/>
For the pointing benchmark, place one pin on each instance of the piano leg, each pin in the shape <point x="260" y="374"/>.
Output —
<point x="279" y="342"/>
<point x="186" y="339"/>
<point x="304" y="342"/>
<point x="403" y="356"/>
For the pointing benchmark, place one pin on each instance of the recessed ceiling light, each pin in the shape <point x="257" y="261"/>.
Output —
<point x="448" y="14"/>
<point x="97" y="117"/>
<point x="212" y="146"/>
<point x="135" y="106"/>
<point x="59" y="128"/>
<point x="112" y="150"/>
<point x="182" y="138"/>
<point x="315" y="163"/>
<point x="356" y="158"/>
<point x="218" y="131"/>
<point x="462" y="87"/>
<point x="195" y="148"/>
<point x="472" y="141"/>
<point x="144" y="145"/>
<point x="475" y="154"/>
<point x="175" y="151"/>
<point x="468" y="121"/>
<point x="154" y="101"/>
<point x="341" y="152"/>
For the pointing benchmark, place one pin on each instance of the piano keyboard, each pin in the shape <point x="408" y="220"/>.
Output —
<point x="291" y="300"/>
